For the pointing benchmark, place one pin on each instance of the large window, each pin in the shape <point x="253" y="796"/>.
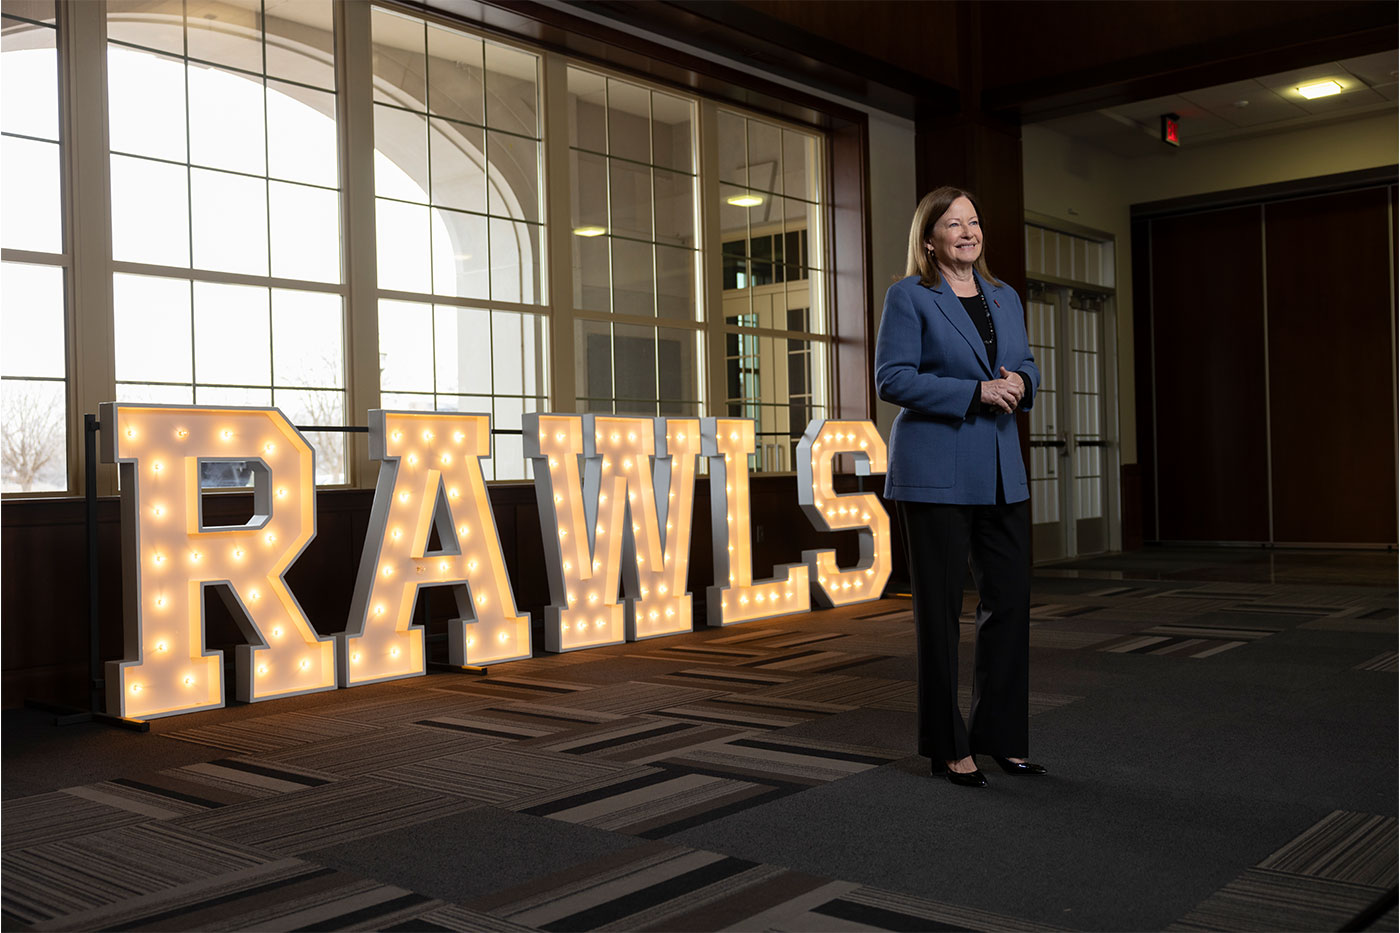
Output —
<point x="226" y="210"/>
<point x="459" y="224"/>
<point x="775" y="317"/>
<point x="632" y="177"/>
<point x="33" y="387"/>
<point x="328" y="207"/>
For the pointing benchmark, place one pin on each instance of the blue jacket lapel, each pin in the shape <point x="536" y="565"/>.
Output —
<point x="953" y="310"/>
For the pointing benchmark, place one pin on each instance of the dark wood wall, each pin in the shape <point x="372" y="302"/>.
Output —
<point x="1266" y="406"/>
<point x="44" y="591"/>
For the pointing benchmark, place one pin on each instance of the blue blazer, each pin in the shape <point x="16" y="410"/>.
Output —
<point x="929" y="358"/>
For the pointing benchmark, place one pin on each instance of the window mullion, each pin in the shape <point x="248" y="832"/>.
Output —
<point x="712" y="266"/>
<point x="355" y="123"/>
<point x="559" y="234"/>
<point x="91" y="345"/>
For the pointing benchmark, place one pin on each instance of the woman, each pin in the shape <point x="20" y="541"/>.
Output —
<point x="952" y="353"/>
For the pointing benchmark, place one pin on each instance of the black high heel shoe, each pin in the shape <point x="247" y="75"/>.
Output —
<point x="960" y="778"/>
<point x="1018" y="767"/>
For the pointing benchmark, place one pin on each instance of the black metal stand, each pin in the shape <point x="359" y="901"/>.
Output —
<point x="96" y="711"/>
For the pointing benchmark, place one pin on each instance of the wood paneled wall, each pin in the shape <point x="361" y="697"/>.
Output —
<point x="44" y="592"/>
<point x="1266" y="410"/>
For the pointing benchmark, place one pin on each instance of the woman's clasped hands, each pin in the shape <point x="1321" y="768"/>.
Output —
<point x="1004" y="393"/>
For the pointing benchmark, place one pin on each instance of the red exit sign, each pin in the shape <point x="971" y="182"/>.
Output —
<point x="1171" y="129"/>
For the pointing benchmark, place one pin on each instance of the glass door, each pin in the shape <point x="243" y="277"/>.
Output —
<point x="1067" y="441"/>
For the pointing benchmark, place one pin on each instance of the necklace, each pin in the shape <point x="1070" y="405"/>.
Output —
<point x="991" y="328"/>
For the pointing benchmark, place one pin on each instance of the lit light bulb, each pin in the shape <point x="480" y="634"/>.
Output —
<point x="181" y="433"/>
<point x="157" y="467"/>
<point x="282" y="493"/>
<point x="262" y="668"/>
<point x="277" y="632"/>
<point x="130" y="432"/>
<point x="427" y="435"/>
<point x="269" y="447"/>
<point x="305" y="664"/>
<point x="269" y="537"/>
<point x="393" y="652"/>
<point x="355" y="657"/>
<point x="458" y="436"/>
<point x="403" y="497"/>
<point x="226" y="434"/>
<point x="161" y="647"/>
<point x="135" y="688"/>
<point x="505" y="637"/>
<point x="189" y="681"/>
<point x="253" y="595"/>
<point x="160" y="602"/>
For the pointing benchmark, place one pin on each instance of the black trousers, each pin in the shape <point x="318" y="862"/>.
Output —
<point x="939" y="540"/>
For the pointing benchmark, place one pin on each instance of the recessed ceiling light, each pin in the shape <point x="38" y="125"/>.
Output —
<point x="1320" y="89"/>
<point x="1241" y="104"/>
<point x="746" y="200"/>
<point x="589" y="231"/>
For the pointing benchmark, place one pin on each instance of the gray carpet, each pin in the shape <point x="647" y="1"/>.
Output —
<point x="1220" y="729"/>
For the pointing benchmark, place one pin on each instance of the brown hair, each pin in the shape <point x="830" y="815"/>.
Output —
<point x="933" y="206"/>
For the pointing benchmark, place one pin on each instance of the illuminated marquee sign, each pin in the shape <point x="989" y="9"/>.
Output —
<point x="728" y="443"/>
<point x="170" y="558"/>
<point x="828" y="511"/>
<point x="430" y="485"/>
<point x="616" y="498"/>
<point x="605" y="522"/>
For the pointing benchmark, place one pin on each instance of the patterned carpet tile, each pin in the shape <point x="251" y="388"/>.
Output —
<point x="640" y="739"/>
<point x="842" y="690"/>
<point x="814" y="660"/>
<point x="156" y="797"/>
<point x="504" y="774"/>
<point x="256" y="734"/>
<point x="654" y="887"/>
<point x="458" y="920"/>
<point x="695" y="651"/>
<point x="730" y="711"/>
<point x="384" y="748"/>
<point x="44" y="818"/>
<point x="1381" y="662"/>
<point x="792" y="760"/>
<point x="1048" y="636"/>
<point x="1175" y="644"/>
<point x="318" y="817"/>
<point x="509" y="685"/>
<point x="664" y="887"/>
<point x="634" y="697"/>
<point x="1269" y="900"/>
<point x="518" y="721"/>
<point x="720" y="677"/>
<point x="408" y="704"/>
<point x="1353" y="847"/>
<point x="872" y="908"/>
<point x="232" y="780"/>
<point x="653" y="801"/>
<point x="286" y="894"/>
<point x="69" y="877"/>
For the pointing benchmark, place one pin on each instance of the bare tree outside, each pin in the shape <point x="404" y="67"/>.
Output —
<point x="33" y="449"/>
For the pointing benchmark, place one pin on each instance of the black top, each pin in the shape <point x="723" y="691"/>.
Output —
<point x="981" y="315"/>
